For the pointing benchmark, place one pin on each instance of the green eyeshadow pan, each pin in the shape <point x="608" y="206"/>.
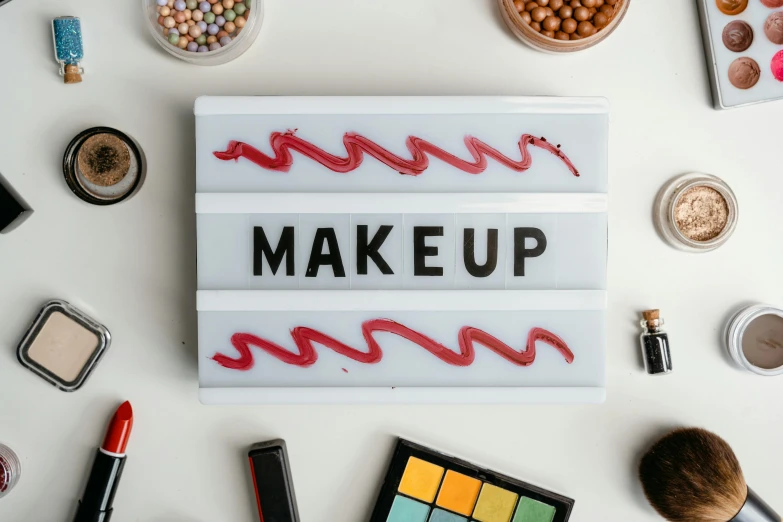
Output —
<point x="530" y="510"/>
<point x="408" y="510"/>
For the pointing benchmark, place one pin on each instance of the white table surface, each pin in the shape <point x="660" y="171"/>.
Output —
<point x="133" y="265"/>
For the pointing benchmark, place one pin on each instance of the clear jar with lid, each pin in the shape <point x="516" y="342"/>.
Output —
<point x="228" y="27"/>
<point x="522" y="29"/>
<point x="696" y="212"/>
<point x="10" y="470"/>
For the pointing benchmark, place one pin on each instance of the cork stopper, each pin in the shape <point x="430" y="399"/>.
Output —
<point x="652" y="318"/>
<point x="72" y="74"/>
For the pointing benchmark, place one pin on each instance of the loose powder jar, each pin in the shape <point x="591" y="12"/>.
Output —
<point x="204" y="32"/>
<point x="103" y="166"/>
<point x="754" y="339"/>
<point x="696" y="212"/>
<point x="63" y="345"/>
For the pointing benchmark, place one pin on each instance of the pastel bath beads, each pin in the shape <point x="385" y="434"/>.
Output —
<point x="201" y="26"/>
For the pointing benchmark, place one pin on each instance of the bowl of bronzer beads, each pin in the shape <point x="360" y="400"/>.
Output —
<point x="204" y="32"/>
<point x="559" y="26"/>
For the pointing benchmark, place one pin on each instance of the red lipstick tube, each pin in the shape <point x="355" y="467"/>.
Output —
<point x="96" y="503"/>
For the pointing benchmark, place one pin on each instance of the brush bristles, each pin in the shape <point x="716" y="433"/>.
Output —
<point x="692" y="475"/>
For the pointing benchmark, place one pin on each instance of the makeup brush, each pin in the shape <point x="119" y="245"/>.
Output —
<point x="692" y="475"/>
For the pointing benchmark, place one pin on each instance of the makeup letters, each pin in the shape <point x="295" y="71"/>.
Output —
<point x="411" y="251"/>
<point x="326" y="254"/>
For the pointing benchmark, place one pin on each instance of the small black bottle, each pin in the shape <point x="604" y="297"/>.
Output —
<point x="655" y="344"/>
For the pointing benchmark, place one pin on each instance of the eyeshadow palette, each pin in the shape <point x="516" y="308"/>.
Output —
<point x="743" y="41"/>
<point x="423" y="485"/>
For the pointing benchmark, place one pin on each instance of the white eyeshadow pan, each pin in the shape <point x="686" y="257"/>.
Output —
<point x="63" y="345"/>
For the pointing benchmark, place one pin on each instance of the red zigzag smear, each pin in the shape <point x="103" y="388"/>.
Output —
<point x="356" y="145"/>
<point x="305" y="338"/>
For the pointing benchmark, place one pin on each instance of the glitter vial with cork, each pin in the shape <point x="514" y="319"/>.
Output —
<point x="655" y="344"/>
<point x="68" y="47"/>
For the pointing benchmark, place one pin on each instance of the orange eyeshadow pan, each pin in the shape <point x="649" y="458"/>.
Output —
<point x="459" y="493"/>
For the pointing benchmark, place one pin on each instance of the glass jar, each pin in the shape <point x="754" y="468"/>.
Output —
<point x="551" y="45"/>
<point x="666" y="204"/>
<point x="241" y="43"/>
<point x="10" y="470"/>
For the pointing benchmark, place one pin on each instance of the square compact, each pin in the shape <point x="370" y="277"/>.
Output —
<point x="63" y="345"/>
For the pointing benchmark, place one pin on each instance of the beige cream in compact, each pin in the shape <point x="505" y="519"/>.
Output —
<point x="754" y="339"/>
<point x="63" y="345"/>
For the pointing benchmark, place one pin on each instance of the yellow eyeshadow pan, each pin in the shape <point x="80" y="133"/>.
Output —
<point x="495" y="504"/>
<point x="421" y="479"/>
<point x="423" y="485"/>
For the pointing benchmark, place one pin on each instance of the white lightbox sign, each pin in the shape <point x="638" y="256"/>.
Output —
<point x="444" y="249"/>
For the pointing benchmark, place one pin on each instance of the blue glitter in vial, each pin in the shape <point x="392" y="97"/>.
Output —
<point x="67" y="32"/>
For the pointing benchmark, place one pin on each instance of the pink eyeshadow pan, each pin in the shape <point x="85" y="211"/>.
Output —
<point x="777" y="66"/>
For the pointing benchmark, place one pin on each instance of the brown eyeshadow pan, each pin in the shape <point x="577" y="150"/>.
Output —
<point x="773" y="28"/>
<point x="737" y="36"/>
<point x="744" y="73"/>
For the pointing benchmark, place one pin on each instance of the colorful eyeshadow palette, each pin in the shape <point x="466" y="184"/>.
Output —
<point x="743" y="40"/>
<point x="423" y="485"/>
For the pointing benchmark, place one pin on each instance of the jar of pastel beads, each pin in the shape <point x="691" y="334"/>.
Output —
<point x="204" y="32"/>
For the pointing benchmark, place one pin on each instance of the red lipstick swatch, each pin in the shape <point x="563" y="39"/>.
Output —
<point x="305" y="338"/>
<point x="357" y="145"/>
<point x="119" y="430"/>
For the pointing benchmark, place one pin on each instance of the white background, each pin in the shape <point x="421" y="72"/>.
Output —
<point x="133" y="265"/>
